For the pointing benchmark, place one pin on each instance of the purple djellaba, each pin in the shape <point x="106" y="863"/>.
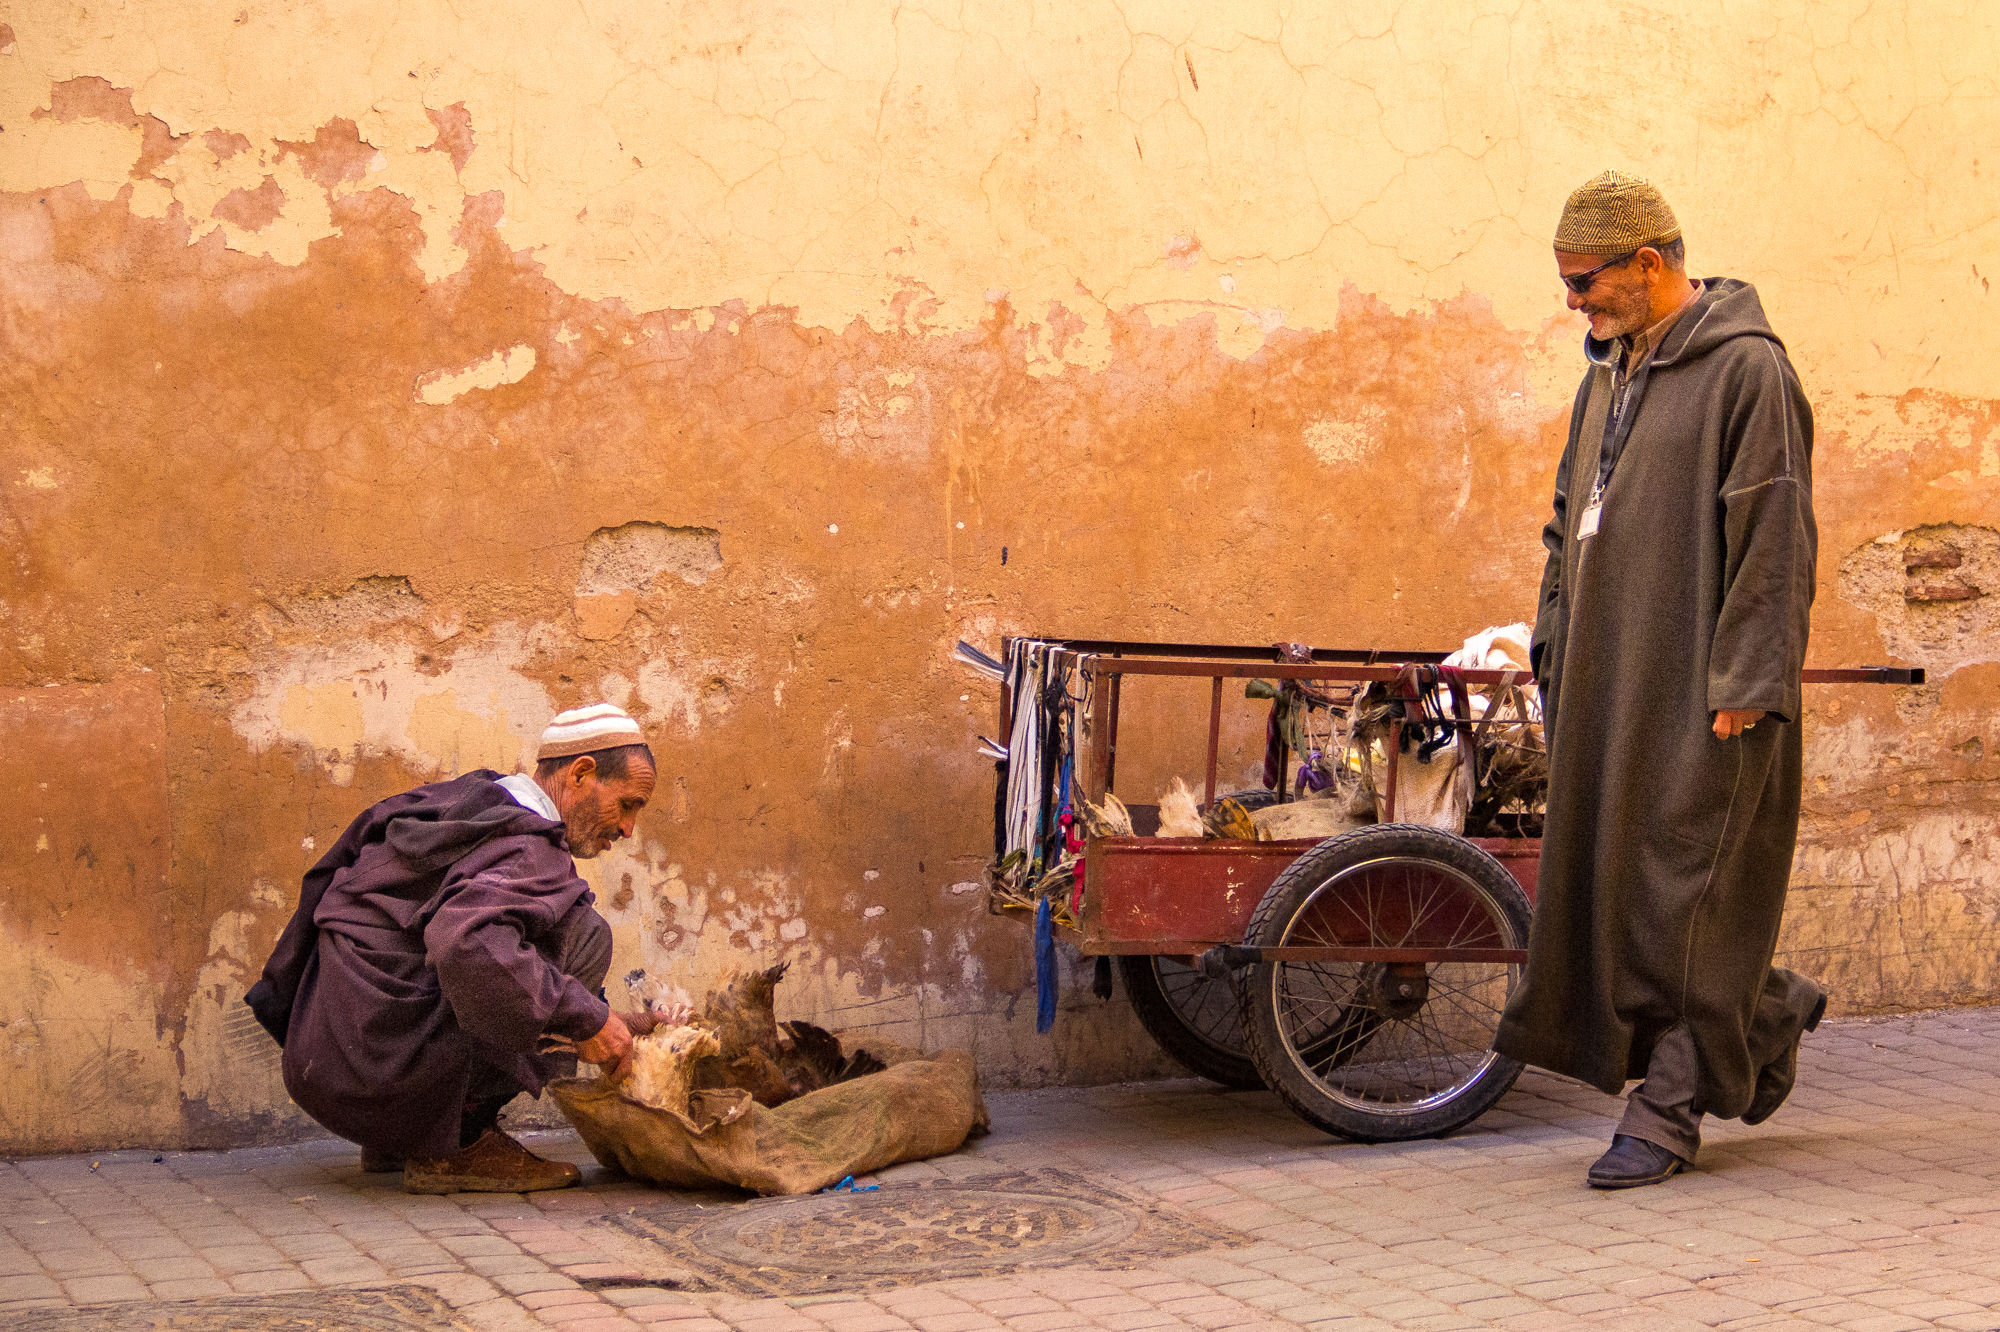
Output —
<point x="442" y="944"/>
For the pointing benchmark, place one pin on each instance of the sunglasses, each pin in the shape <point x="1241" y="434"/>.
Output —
<point x="1580" y="282"/>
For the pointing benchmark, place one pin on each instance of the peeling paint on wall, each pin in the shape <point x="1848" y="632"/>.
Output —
<point x="1934" y="592"/>
<point x="352" y="700"/>
<point x="502" y="367"/>
<point x="632" y="558"/>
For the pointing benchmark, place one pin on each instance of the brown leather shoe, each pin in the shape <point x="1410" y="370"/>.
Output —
<point x="494" y="1164"/>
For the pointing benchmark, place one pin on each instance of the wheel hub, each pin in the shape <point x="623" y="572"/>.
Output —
<point x="1396" y="990"/>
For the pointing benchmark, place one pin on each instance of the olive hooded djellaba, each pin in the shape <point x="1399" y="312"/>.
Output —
<point x="1667" y="851"/>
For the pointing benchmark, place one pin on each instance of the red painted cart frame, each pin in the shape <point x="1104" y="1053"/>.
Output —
<point x="1184" y="896"/>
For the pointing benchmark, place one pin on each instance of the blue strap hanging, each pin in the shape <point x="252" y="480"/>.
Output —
<point x="1045" y="967"/>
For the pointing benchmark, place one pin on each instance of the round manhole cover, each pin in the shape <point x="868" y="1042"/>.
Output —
<point x="906" y="1231"/>
<point x="910" y="1234"/>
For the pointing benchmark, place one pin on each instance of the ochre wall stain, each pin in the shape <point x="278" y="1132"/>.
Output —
<point x="362" y="410"/>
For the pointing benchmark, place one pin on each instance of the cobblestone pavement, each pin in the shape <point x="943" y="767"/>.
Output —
<point x="1869" y="1203"/>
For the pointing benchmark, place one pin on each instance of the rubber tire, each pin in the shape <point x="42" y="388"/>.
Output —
<point x="1164" y="1021"/>
<point x="1506" y="906"/>
<point x="1153" y="1003"/>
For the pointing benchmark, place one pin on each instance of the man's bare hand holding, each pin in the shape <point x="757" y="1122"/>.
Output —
<point x="610" y="1049"/>
<point x="1732" y="722"/>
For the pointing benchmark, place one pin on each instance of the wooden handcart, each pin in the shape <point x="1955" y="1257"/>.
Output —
<point x="1360" y="977"/>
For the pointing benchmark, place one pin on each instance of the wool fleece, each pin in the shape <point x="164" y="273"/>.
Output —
<point x="1667" y="851"/>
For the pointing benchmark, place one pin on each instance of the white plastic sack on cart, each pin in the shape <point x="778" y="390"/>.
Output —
<point x="1439" y="793"/>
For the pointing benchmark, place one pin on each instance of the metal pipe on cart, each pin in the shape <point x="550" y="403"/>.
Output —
<point x="1214" y="737"/>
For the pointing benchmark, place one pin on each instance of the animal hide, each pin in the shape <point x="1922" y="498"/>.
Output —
<point x="663" y="1065"/>
<point x="1110" y="819"/>
<point x="755" y="1054"/>
<point x="1229" y="819"/>
<point x="1299" y="819"/>
<point x="754" y="1071"/>
<point x="1179" y="816"/>
<point x="743" y="1013"/>
<point x="664" y="1004"/>
<point x="813" y="1059"/>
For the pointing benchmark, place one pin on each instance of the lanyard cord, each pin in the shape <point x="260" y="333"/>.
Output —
<point x="1618" y="423"/>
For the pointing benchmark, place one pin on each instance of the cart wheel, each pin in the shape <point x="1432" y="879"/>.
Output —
<point x="1194" y="1018"/>
<point x="1375" y="1051"/>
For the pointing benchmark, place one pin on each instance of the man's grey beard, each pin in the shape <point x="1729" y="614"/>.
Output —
<point x="586" y="817"/>
<point x="1631" y="312"/>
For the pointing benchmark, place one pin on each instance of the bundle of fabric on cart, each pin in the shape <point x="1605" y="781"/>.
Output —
<point x="1490" y="781"/>
<point x="1471" y="758"/>
<point x="1039" y="831"/>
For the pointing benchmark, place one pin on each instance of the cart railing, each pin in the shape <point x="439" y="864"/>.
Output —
<point x="1106" y="662"/>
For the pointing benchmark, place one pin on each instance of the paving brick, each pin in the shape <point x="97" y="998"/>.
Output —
<point x="597" y="1271"/>
<point x="343" y="1271"/>
<point x="558" y="1295"/>
<point x="1127" y="1322"/>
<point x="522" y="1283"/>
<point x="562" y="1315"/>
<point x="1048" y="1322"/>
<point x="230" y="1260"/>
<point x="639" y="1296"/>
<point x="190" y="1290"/>
<point x="874" y="1320"/>
<point x="1019" y="1306"/>
<point x="1108" y="1304"/>
<point x="270" y="1283"/>
<point x="105" y="1289"/>
<point x="683" y="1317"/>
<point x="32" y="1286"/>
<point x="969" y="1321"/>
<point x="93" y="1261"/>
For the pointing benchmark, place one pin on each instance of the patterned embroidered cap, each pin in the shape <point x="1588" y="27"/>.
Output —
<point x="583" y="730"/>
<point x="1615" y="214"/>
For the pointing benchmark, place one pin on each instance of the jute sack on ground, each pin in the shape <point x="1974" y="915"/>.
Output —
<point x="920" y="1106"/>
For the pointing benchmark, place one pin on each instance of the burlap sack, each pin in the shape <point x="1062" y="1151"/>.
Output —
<point x="920" y="1106"/>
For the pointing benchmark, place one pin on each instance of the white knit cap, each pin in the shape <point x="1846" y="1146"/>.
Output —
<point x="582" y="730"/>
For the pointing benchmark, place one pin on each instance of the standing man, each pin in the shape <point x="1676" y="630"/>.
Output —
<point x="1668" y="646"/>
<point x="442" y="944"/>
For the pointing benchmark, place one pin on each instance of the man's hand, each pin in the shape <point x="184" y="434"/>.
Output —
<point x="1732" y="722"/>
<point x="610" y="1049"/>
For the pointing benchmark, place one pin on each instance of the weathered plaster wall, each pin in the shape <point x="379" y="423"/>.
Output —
<point x="383" y="377"/>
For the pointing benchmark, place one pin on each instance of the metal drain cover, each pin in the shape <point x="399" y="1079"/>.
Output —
<point x="395" y="1309"/>
<point x="909" y="1234"/>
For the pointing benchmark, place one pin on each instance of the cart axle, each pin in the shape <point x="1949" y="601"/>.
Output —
<point x="1216" y="963"/>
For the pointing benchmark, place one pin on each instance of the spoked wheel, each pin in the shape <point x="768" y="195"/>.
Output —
<point x="1385" y="1051"/>
<point x="1194" y="1018"/>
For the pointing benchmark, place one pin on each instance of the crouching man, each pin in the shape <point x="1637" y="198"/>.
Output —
<point x="443" y="946"/>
